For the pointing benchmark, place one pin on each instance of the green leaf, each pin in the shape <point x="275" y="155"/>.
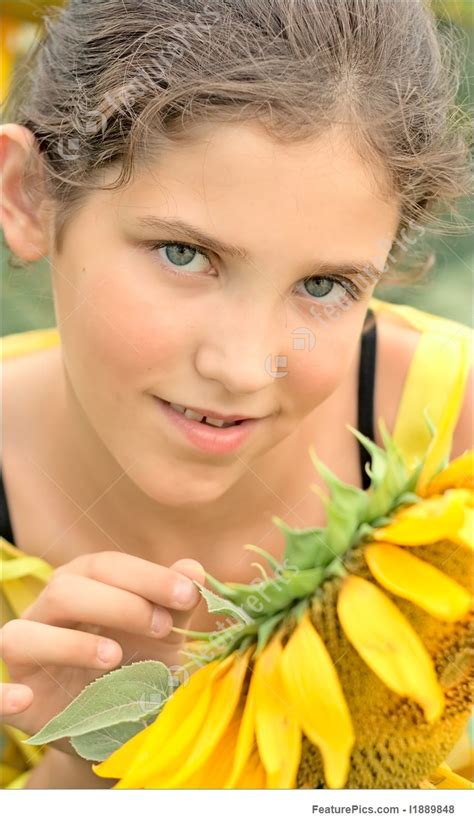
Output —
<point x="218" y="605"/>
<point x="98" y="745"/>
<point x="127" y="694"/>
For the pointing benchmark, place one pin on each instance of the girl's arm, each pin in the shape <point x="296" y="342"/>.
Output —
<point x="58" y="770"/>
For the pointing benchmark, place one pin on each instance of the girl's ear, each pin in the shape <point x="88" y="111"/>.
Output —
<point x="24" y="224"/>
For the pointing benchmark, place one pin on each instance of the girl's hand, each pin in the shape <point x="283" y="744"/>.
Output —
<point x="96" y="613"/>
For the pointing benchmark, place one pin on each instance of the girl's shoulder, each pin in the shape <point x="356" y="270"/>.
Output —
<point x="29" y="360"/>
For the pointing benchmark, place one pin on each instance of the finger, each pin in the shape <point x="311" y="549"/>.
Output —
<point x="14" y="698"/>
<point x="190" y="568"/>
<point x="69" y="599"/>
<point x="27" y="646"/>
<point x="194" y="570"/>
<point x="159" y="584"/>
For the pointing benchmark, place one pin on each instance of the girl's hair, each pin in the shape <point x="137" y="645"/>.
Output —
<point x="110" y="82"/>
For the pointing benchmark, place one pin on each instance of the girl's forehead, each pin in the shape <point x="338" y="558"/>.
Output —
<point x="229" y="160"/>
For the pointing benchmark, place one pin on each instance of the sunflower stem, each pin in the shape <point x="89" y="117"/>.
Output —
<point x="197" y="635"/>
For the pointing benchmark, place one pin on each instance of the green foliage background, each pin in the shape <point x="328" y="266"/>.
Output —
<point x="447" y="290"/>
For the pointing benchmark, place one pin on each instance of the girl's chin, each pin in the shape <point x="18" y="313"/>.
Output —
<point x="186" y="488"/>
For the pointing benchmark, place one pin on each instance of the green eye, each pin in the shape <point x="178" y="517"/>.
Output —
<point x="179" y="254"/>
<point x="319" y="287"/>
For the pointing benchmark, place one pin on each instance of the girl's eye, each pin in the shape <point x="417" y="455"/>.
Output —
<point x="186" y="258"/>
<point x="179" y="256"/>
<point x="330" y="290"/>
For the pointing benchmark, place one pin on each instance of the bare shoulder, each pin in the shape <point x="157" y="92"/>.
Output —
<point x="23" y="390"/>
<point x="396" y="346"/>
<point x="28" y="433"/>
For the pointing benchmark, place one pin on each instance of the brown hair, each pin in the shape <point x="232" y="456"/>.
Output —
<point x="110" y="81"/>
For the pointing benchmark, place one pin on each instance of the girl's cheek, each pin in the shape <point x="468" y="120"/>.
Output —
<point x="119" y="332"/>
<point x="316" y="373"/>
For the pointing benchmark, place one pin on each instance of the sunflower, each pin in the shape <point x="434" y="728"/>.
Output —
<point x="349" y="666"/>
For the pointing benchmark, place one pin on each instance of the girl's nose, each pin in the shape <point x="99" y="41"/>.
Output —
<point x="241" y="350"/>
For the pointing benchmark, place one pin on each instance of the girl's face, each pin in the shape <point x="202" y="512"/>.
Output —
<point x="244" y="324"/>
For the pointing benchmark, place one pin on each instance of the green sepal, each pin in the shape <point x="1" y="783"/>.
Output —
<point x="305" y="547"/>
<point x="278" y="592"/>
<point x="378" y="463"/>
<point x="362" y="533"/>
<point x="222" y="588"/>
<point x="266" y="629"/>
<point x="298" y="611"/>
<point x="407" y="498"/>
<point x="346" y="509"/>
<point x="394" y="483"/>
<point x="274" y="564"/>
<point x="335" y="569"/>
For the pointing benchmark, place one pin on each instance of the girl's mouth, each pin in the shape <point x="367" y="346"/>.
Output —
<point x="206" y="435"/>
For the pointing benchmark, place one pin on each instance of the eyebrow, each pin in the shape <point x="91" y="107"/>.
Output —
<point x="194" y="233"/>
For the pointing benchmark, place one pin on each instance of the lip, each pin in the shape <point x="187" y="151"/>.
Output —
<point x="206" y="438"/>
<point x="226" y="417"/>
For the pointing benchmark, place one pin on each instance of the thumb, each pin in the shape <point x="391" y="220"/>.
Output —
<point x="194" y="570"/>
<point x="190" y="568"/>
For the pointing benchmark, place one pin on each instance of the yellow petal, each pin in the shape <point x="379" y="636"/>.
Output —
<point x="172" y="731"/>
<point x="458" y="474"/>
<point x="465" y="535"/>
<point x="277" y="730"/>
<point x="440" y="445"/>
<point x="226" y="691"/>
<point x="312" y="685"/>
<point x="253" y="775"/>
<point x="214" y="777"/>
<point x="387" y="643"/>
<point x="246" y="737"/>
<point x="429" y="521"/>
<point x="444" y="778"/>
<point x="405" y="575"/>
<point x="114" y="765"/>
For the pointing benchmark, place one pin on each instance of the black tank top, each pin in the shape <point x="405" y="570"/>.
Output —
<point x="365" y="415"/>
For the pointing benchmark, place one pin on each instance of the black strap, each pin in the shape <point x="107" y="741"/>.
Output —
<point x="367" y="366"/>
<point x="5" y="524"/>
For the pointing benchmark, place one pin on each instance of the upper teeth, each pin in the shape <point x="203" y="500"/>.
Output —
<point x="191" y="414"/>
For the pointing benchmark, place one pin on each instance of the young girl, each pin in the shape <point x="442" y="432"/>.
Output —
<point x="218" y="187"/>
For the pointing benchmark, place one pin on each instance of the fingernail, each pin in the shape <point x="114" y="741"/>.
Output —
<point x="184" y="592"/>
<point x="107" y="651"/>
<point x="158" y="620"/>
